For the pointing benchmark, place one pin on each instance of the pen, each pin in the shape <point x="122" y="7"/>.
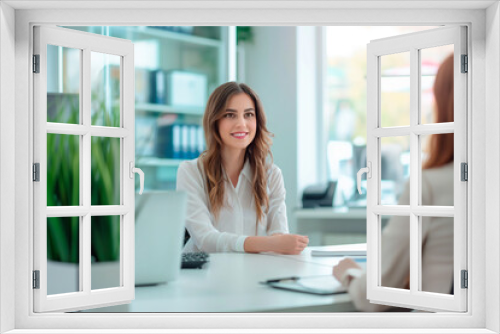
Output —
<point x="292" y="278"/>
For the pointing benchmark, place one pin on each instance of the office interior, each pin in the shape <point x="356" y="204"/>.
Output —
<point x="314" y="97"/>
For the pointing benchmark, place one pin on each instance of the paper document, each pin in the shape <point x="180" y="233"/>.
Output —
<point x="338" y="253"/>
<point x="320" y="285"/>
<point x="340" y="250"/>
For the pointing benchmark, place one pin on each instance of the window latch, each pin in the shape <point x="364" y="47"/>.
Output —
<point x="368" y="171"/>
<point x="133" y="170"/>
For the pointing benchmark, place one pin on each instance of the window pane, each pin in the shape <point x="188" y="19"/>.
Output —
<point x="437" y="254"/>
<point x="395" y="89"/>
<point x="63" y="170"/>
<point x="395" y="170"/>
<point x="395" y="266"/>
<point x="431" y="60"/>
<point x="63" y="255"/>
<point x="105" y="241"/>
<point x="63" y="84"/>
<point x="105" y="171"/>
<point x="105" y="86"/>
<point x="437" y="164"/>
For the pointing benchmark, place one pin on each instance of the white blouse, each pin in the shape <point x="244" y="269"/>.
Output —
<point x="237" y="219"/>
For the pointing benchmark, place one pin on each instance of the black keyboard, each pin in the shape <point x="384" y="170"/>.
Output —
<point x="193" y="260"/>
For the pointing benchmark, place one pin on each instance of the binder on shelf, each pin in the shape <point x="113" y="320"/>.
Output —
<point x="192" y="142"/>
<point x="184" y="141"/>
<point x="200" y="140"/>
<point x="176" y="142"/>
<point x="158" y="87"/>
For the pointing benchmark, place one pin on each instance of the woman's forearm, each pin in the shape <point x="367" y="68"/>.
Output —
<point x="258" y="244"/>
<point x="280" y="243"/>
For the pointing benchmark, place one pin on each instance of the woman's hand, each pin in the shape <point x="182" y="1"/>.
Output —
<point x="290" y="244"/>
<point x="339" y="271"/>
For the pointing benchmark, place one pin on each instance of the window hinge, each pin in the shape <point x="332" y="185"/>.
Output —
<point x="465" y="279"/>
<point x="465" y="64"/>
<point x="36" y="172"/>
<point x="465" y="171"/>
<point x="36" y="63"/>
<point x="36" y="279"/>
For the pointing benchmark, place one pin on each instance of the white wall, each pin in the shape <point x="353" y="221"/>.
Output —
<point x="271" y="70"/>
<point x="7" y="161"/>
<point x="492" y="163"/>
<point x="308" y="104"/>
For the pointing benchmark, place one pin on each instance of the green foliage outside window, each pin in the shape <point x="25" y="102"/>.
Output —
<point x="63" y="189"/>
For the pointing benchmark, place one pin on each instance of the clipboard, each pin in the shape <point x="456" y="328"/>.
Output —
<point x="317" y="285"/>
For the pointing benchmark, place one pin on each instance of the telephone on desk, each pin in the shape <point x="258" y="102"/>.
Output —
<point x="319" y="195"/>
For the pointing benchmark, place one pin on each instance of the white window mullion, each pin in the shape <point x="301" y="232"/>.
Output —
<point x="438" y="128"/>
<point x="414" y="171"/>
<point x="128" y="185"/>
<point x="373" y="219"/>
<point x="394" y="131"/>
<point x="67" y="129"/>
<point x="40" y="156"/>
<point x="86" y="163"/>
<point x="460" y="155"/>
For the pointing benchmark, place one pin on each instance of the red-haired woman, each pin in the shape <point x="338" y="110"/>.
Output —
<point x="236" y="196"/>
<point x="437" y="232"/>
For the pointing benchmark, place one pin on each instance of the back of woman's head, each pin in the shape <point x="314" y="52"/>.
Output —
<point x="440" y="147"/>
<point x="256" y="153"/>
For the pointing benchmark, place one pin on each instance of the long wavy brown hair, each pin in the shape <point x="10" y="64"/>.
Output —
<point x="440" y="147"/>
<point x="258" y="153"/>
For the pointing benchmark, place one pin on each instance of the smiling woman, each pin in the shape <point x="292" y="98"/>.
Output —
<point x="236" y="195"/>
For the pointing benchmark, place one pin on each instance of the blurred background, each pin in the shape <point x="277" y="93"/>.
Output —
<point x="312" y="82"/>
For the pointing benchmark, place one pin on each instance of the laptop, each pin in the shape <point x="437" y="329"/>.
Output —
<point x="159" y="235"/>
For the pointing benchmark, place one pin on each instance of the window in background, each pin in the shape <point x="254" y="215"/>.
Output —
<point x="344" y="115"/>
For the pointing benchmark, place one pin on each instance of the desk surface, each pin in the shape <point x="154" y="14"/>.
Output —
<point x="230" y="283"/>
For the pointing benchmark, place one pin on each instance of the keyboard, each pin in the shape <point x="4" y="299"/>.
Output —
<point x="194" y="260"/>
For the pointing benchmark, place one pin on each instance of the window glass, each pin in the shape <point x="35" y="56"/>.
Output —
<point x="105" y="171"/>
<point x="437" y="157"/>
<point x="105" y="89"/>
<point x="395" y="266"/>
<point x="63" y="84"/>
<point x="394" y="170"/>
<point x="430" y="60"/>
<point x="105" y="239"/>
<point x="63" y="255"/>
<point x="63" y="170"/>
<point x="437" y="254"/>
<point x="395" y="89"/>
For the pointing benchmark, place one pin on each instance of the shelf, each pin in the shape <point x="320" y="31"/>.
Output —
<point x="159" y="162"/>
<point x="160" y="108"/>
<point x="177" y="36"/>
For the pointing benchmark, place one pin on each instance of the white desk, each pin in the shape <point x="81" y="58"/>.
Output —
<point x="230" y="283"/>
<point x="344" y="223"/>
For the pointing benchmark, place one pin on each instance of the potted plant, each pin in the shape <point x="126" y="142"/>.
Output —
<point x="63" y="189"/>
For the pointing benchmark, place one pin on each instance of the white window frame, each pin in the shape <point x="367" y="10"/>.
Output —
<point x="484" y="102"/>
<point x="415" y="297"/>
<point x="86" y="43"/>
